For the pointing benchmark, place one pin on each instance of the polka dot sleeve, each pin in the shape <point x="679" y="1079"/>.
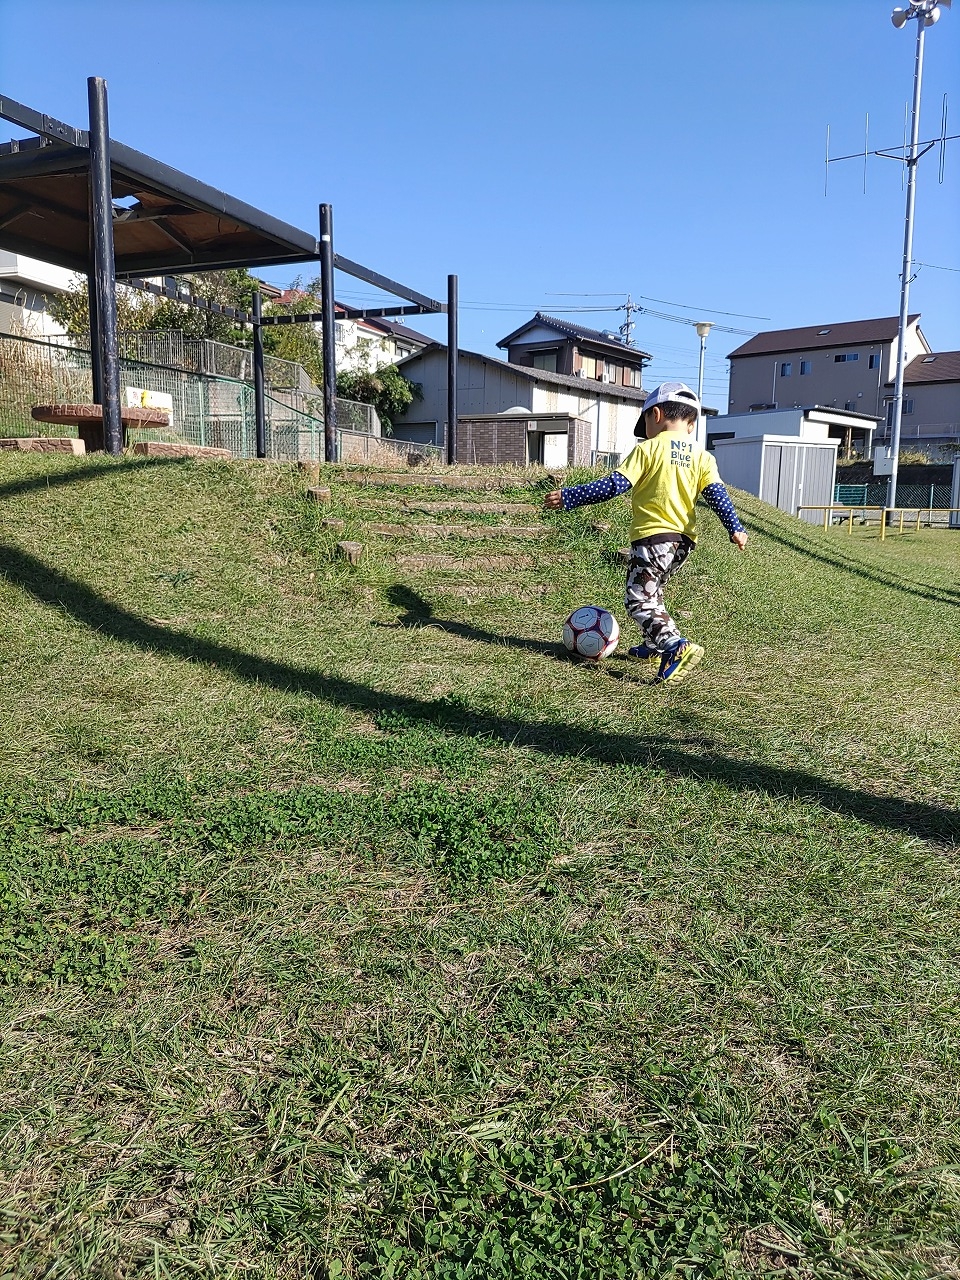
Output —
<point x="718" y="500"/>
<point x="582" y="495"/>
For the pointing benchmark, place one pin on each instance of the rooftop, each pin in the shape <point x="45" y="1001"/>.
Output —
<point x="848" y="333"/>
<point x="579" y="331"/>
<point x="935" y="366"/>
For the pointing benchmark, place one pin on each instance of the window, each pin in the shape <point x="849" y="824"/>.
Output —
<point x="907" y="408"/>
<point x="821" y="332"/>
<point x="588" y="365"/>
<point x="546" y="360"/>
<point x="928" y="359"/>
<point x="850" y="405"/>
<point x="846" y="357"/>
<point x="806" y="366"/>
<point x="786" y="368"/>
<point x="874" y="359"/>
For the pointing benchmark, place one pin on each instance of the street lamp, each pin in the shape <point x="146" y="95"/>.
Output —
<point x="703" y="328"/>
<point x="926" y="13"/>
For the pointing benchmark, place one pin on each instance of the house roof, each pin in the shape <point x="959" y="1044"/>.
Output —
<point x="586" y="386"/>
<point x="936" y="366"/>
<point x="397" y="330"/>
<point x="580" y="331"/>
<point x="849" y="333"/>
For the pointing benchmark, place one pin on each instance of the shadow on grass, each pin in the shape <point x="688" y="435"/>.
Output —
<point x="86" y="607"/>
<point x="418" y="612"/>
<point x="76" y="475"/>
<point x="924" y="590"/>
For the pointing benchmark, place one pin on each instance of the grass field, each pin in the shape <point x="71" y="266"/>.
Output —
<point x="349" y="929"/>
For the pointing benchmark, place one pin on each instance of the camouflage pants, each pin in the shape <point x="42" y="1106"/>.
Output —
<point x="651" y="568"/>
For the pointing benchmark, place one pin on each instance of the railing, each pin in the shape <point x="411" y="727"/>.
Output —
<point x="208" y="409"/>
<point x="887" y="517"/>
<point x="358" y="447"/>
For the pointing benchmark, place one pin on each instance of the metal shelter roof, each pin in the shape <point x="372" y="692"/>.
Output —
<point x="164" y="221"/>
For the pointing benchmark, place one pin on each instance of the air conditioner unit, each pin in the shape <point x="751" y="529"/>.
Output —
<point x="580" y="373"/>
<point x="607" y="377"/>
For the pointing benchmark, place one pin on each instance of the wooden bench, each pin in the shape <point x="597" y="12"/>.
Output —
<point x="88" y="419"/>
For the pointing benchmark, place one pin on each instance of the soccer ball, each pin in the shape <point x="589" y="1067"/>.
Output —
<point x="591" y="632"/>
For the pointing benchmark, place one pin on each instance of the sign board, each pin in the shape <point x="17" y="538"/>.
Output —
<point x="140" y="398"/>
<point x="883" y="460"/>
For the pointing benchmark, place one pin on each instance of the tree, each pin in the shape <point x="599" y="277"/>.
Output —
<point x="390" y="393"/>
<point x="297" y="342"/>
<point x="139" y="312"/>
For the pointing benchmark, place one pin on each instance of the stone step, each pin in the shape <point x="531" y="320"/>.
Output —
<point x="450" y="504"/>
<point x="473" y="531"/>
<point x="426" y="480"/>
<point x="462" y="564"/>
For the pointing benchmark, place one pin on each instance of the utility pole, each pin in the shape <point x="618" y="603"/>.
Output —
<point x="926" y="14"/>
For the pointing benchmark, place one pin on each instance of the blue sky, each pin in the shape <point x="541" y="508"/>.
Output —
<point x="546" y="152"/>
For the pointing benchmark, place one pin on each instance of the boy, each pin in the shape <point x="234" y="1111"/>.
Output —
<point x="666" y="472"/>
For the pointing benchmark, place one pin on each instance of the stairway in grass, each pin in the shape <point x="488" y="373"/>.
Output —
<point x="410" y="513"/>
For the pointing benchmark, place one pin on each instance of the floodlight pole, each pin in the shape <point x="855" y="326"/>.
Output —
<point x="452" y="354"/>
<point x="703" y="328"/>
<point x="103" y="268"/>
<point x="920" y="12"/>
<point x="329" y="335"/>
<point x="259" y="398"/>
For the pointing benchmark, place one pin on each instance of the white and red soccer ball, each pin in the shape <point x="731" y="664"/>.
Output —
<point x="591" y="632"/>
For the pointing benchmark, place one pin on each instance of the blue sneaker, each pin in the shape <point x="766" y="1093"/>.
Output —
<point x="641" y="652"/>
<point x="677" y="663"/>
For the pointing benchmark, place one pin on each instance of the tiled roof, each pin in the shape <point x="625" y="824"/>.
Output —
<point x="938" y="366"/>
<point x="849" y="333"/>
<point x="586" y="386"/>
<point x="399" y="330"/>
<point x="571" y="330"/>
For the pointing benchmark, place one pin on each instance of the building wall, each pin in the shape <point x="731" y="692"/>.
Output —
<point x="758" y="380"/>
<point x="936" y="413"/>
<point x="486" y="388"/>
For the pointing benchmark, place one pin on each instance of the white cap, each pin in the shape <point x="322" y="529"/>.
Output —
<point x="676" y="391"/>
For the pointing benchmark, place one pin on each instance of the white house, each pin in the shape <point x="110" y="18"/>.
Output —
<point x="23" y="283"/>
<point x="853" y="431"/>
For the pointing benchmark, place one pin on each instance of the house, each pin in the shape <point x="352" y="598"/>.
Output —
<point x="398" y="340"/>
<point x="844" y="366"/>
<point x="598" y="419"/>
<point x="558" y="346"/>
<point x="853" y="431"/>
<point x="931" y="404"/>
<point x="24" y="284"/>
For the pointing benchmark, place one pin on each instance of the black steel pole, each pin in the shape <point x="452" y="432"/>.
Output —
<point x="103" y="266"/>
<point x="452" y="341"/>
<point x="329" y="336"/>
<point x="259" y="400"/>
<point x="96" y="363"/>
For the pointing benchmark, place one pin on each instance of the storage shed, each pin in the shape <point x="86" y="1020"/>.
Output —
<point x="785" y="471"/>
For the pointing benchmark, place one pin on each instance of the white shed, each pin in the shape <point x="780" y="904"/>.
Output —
<point x="785" y="471"/>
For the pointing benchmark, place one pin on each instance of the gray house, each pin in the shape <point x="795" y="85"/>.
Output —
<point x="596" y="418"/>
<point x="931" y="404"/>
<point x="845" y="366"/>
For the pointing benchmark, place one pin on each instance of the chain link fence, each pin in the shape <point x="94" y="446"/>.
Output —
<point x="211" y="409"/>
<point x="931" y="496"/>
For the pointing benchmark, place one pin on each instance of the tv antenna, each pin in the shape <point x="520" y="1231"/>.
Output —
<point x="926" y="13"/>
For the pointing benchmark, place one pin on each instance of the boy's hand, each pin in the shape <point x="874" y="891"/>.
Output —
<point x="553" y="501"/>
<point x="739" y="540"/>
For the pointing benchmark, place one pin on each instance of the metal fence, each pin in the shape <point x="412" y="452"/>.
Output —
<point x="208" y="409"/>
<point x="931" y="496"/>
